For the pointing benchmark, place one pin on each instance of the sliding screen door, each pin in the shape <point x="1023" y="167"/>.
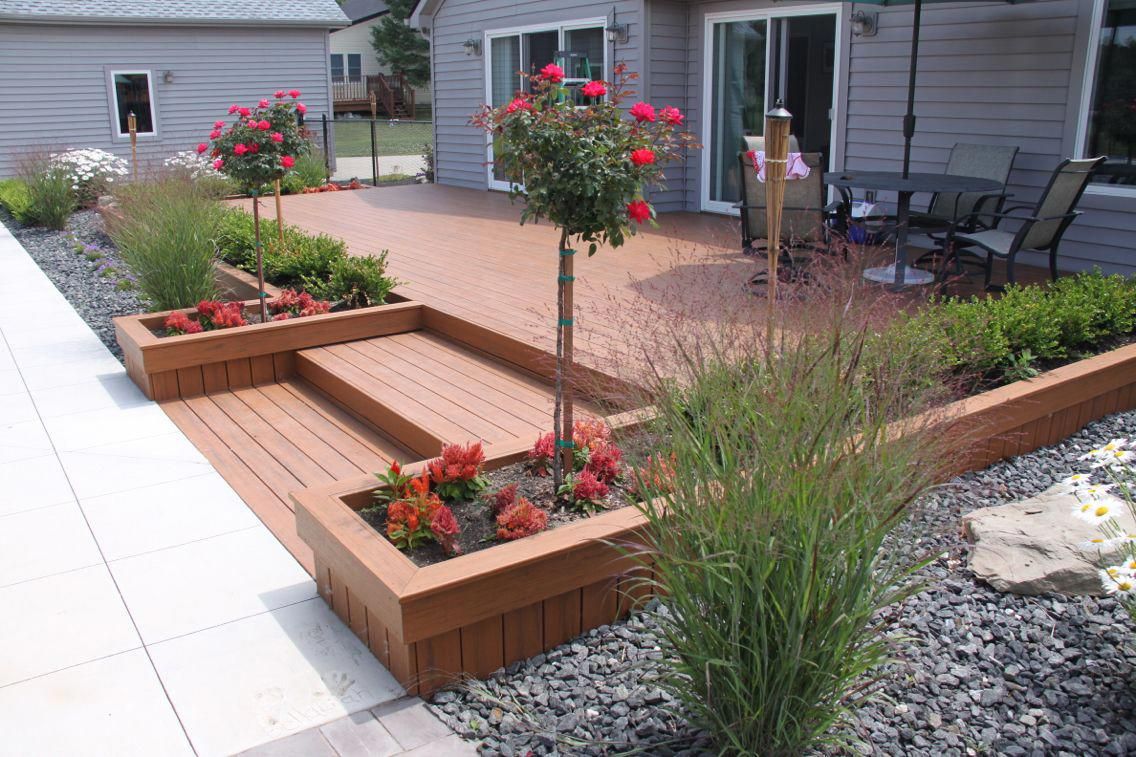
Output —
<point x="737" y="100"/>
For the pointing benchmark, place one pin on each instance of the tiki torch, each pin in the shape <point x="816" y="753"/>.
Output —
<point x="777" y="123"/>
<point x="132" y="127"/>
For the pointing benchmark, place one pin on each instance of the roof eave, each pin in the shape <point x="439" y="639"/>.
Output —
<point x="134" y="21"/>
<point x="423" y="11"/>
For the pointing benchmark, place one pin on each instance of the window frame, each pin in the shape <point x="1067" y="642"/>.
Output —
<point x="112" y="95"/>
<point x="347" y="65"/>
<point x="1088" y="89"/>
<point x="342" y="65"/>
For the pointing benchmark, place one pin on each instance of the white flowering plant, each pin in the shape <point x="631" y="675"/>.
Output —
<point x="197" y="166"/>
<point x="1103" y="494"/>
<point x="90" y="170"/>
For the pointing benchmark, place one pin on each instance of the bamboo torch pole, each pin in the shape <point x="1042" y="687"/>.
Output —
<point x="777" y="123"/>
<point x="132" y="127"/>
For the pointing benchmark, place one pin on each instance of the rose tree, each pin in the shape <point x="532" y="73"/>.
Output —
<point x="258" y="148"/>
<point x="585" y="170"/>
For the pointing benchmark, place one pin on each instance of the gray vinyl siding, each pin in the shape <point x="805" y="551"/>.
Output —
<point x="54" y="82"/>
<point x="667" y="59"/>
<point x="459" y="79"/>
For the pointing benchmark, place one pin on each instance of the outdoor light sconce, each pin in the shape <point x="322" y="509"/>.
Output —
<point x="168" y="77"/>
<point x="472" y="46"/>
<point x="865" y="24"/>
<point x="616" y="32"/>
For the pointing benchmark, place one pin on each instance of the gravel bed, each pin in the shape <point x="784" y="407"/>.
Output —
<point x="979" y="673"/>
<point x="99" y="288"/>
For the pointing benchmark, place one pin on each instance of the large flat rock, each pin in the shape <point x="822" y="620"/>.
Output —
<point x="1036" y="546"/>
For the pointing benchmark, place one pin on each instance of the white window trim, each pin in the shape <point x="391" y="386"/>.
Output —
<point x="114" y="102"/>
<point x="838" y="72"/>
<point x="487" y="48"/>
<point x="1088" y="85"/>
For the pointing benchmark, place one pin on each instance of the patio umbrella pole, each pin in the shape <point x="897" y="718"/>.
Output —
<point x="909" y="117"/>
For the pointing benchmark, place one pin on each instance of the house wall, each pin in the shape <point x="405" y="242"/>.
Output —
<point x="357" y="39"/>
<point x="55" y="93"/>
<point x="459" y="79"/>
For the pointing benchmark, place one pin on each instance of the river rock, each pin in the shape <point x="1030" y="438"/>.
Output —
<point x="1037" y="546"/>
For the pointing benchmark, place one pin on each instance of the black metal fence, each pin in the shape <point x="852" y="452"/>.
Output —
<point x="382" y="150"/>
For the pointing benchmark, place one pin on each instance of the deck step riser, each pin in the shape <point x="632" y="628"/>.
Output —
<point x="382" y="415"/>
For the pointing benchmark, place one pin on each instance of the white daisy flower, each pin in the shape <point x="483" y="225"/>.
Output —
<point x="1122" y="585"/>
<point x="1095" y="512"/>
<point x="1077" y="481"/>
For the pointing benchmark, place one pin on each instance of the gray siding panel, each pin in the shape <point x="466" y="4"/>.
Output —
<point x="459" y="79"/>
<point x="57" y="76"/>
<point x="667" y="84"/>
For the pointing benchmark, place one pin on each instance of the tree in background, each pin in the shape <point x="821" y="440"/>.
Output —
<point x="400" y="47"/>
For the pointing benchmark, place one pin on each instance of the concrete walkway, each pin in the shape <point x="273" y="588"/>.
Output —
<point x="360" y="168"/>
<point x="145" y="608"/>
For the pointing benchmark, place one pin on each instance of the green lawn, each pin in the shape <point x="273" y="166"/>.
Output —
<point x="353" y="138"/>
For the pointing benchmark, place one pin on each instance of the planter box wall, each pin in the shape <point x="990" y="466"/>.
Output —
<point x="476" y="613"/>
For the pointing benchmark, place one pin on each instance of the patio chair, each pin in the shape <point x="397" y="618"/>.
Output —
<point x="1042" y="227"/>
<point x="962" y="209"/>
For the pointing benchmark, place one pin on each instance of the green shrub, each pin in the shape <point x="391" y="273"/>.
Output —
<point x="14" y="198"/>
<point x="166" y="232"/>
<point x="357" y="282"/>
<point x="50" y="197"/>
<point x="309" y="171"/>
<point x="302" y="258"/>
<point x="769" y="544"/>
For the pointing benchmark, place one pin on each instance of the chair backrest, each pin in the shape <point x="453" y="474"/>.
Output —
<point x="753" y="191"/>
<point x="802" y="215"/>
<point x="1059" y="199"/>
<point x="984" y="161"/>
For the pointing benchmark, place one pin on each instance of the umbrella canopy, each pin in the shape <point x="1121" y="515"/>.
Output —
<point x="909" y="117"/>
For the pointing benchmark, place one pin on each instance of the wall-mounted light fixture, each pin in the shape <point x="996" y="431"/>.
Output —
<point x="616" y="32"/>
<point x="865" y="24"/>
<point x="168" y="77"/>
<point x="472" y="46"/>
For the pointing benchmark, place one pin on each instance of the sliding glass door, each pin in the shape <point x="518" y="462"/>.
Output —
<point x="754" y="59"/>
<point x="511" y="51"/>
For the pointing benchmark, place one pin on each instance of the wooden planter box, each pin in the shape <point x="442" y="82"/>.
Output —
<point x="166" y="367"/>
<point x="476" y="613"/>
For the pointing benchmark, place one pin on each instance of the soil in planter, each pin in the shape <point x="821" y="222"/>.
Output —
<point x="479" y="526"/>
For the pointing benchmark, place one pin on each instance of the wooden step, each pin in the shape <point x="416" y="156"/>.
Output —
<point x="423" y="391"/>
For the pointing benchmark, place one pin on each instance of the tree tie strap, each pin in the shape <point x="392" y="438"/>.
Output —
<point x="566" y="443"/>
<point x="566" y="253"/>
<point x="262" y="295"/>
<point x="563" y="277"/>
<point x="566" y="321"/>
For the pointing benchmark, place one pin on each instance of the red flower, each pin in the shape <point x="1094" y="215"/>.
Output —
<point x="587" y="488"/>
<point x="263" y="125"/>
<point x="293" y="93"/>
<point x="240" y="149"/>
<point x="301" y="108"/>
<point x="254" y="148"/>
<point x="202" y="147"/>
<point x="520" y="520"/>
<point x="220" y="315"/>
<point x="180" y="323"/>
<point x="217" y="164"/>
<point x="276" y="136"/>
<point x="553" y="73"/>
<point x="219" y="124"/>
<point x="215" y="134"/>
<point x="263" y="103"/>
<point x="233" y="109"/>
<point x="594" y="89"/>
<point x="638" y="211"/>
<point x="287" y="161"/>
<point x="445" y="528"/>
<point x="278" y="94"/>
<point x="519" y="104"/>
<point x="540" y="456"/>
<point x="672" y="116"/>
<point x="502" y="499"/>
<point x="643" y="112"/>
<point x="245" y="112"/>
<point x="642" y="157"/>
<point x="603" y="462"/>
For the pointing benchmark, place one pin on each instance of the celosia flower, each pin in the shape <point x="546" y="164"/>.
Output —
<point x="642" y="111"/>
<point x="281" y="316"/>
<point x="276" y="136"/>
<point x="202" y="147"/>
<point x="294" y="93"/>
<point x="642" y="157"/>
<point x="287" y="161"/>
<point x="240" y="149"/>
<point x="540" y="456"/>
<point x="520" y="520"/>
<point x="672" y="116"/>
<point x="445" y="528"/>
<point x="638" y="211"/>
<point x="594" y="89"/>
<point x="301" y="108"/>
<point x="263" y="103"/>
<point x="180" y="323"/>
<point x="552" y="73"/>
<point x="604" y="462"/>
<point x="456" y="475"/>
<point x="502" y="499"/>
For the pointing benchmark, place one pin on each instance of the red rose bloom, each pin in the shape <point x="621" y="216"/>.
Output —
<point x="643" y="112"/>
<point x="519" y="104"/>
<point x="553" y="73"/>
<point x="287" y="161"/>
<point x="263" y="102"/>
<point x="301" y="108"/>
<point x="278" y="94"/>
<point x="263" y="125"/>
<point x="215" y="134"/>
<point x="276" y="136"/>
<point x="245" y="112"/>
<point x="594" y="89"/>
<point x="642" y="157"/>
<point x="201" y="148"/>
<point x="219" y="124"/>
<point x="638" y="211"/>
<point x="232" y="109"/>
<point x="672" y="116"/>
<point x="240" y="149"/>
<point x="293" y="93"/>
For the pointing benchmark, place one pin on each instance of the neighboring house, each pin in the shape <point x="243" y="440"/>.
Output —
<point x="354" y="62"/>
<point x="1055" y="77"/>
<point x="72" y="71"/>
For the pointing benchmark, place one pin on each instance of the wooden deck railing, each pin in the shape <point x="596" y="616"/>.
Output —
<point x="393" y="93"/>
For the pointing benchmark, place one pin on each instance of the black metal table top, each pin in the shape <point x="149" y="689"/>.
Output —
<point x="915" y="182"/>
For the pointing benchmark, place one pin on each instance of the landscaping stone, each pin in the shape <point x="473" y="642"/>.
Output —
<point x="976" y="670"/>
<point x="1035" y="546"/>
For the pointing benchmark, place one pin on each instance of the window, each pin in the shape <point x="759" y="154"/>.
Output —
<point x="354" y="69"/>
<point x="133" y="93"/>
<point x="1110" y="113"/>
<point x="337" y="66"/>
<point x="354" y="66"/>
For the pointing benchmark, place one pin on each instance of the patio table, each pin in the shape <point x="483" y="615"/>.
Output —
<point x="900" y="273"/>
